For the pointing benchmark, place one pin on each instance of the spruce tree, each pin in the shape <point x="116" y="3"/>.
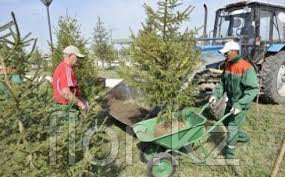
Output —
<point x="101" y="45"/>
<point x="24" y="103"/>
<point x="162" y="58"/>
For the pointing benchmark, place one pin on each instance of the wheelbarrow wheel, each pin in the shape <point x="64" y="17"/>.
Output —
<point x="161" y="165"/>
<point x="148" y="151"/>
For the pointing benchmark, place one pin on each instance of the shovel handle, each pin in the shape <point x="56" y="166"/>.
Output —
<point x="278" y="160"/>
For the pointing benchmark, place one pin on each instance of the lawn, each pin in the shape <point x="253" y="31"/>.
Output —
<point x="265" y="124"/>
<point x="110" y="73"/>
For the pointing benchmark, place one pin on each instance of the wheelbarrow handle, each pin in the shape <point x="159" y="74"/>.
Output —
<point x="203" y="108"/>
<point x="218" y="122"/>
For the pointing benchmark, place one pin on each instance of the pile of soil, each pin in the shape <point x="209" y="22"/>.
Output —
<point x="127" y="112"/>
<point x="166" y="128"/>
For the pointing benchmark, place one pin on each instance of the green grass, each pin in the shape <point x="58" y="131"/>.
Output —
<point x="109" y="73"/>
<point x="266" y="128"/>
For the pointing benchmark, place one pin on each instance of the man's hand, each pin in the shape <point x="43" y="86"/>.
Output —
<point x="212" y="100"/>
<point x="81" y="105"/>
<point x="66" y="93"/>
<point x="235" y="111"/>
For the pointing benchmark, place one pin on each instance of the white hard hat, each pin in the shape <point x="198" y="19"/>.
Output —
<point x="73" y="50"/>
<point x="230" y="46"/>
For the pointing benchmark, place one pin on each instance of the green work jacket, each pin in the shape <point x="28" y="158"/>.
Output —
<point x="14" y="78"/>
<point x="240" y="83"/>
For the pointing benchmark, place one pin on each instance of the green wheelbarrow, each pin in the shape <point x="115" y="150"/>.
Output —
<point x="158" y="151"/>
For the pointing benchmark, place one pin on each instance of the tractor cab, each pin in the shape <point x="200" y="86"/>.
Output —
<point x="259" y="28"/>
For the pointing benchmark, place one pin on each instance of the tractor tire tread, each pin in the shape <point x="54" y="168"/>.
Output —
<point x="268" y="77"/>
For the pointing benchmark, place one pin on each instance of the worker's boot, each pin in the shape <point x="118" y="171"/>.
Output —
<point x="229" y="152"/>
<point x="243" y="137"/>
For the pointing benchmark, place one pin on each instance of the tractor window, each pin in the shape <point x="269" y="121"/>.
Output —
<point x="231" y="25"/>
<point x="237" y="23"/>
<point x="223" y="27"/>
<point x="265" y="25"/>
<point x="277" y="28"/>
<point x="281" y="19"/>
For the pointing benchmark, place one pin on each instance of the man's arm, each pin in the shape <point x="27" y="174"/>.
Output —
<point x="67" y="94"/>
<point x="250" y="87"/>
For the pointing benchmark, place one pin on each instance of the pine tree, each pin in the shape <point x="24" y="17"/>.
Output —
<point x="162" y="57"/>
<point x="101" y="46"/>
<point x="68" y="33"/>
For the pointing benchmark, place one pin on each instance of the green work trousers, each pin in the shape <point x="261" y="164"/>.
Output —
<point x="233" y="124"/>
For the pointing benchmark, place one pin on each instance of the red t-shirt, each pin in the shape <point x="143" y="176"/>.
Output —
<point x="64" y="77"/>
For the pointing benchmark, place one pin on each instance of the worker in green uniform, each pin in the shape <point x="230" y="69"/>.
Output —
<point x="239" y="82"/>
<point x="13" y="78"/>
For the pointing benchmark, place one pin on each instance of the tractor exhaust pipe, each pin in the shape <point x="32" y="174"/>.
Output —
<point x="205" y="21"/>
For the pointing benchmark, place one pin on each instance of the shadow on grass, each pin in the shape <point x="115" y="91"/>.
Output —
<point x="112" y="170"/>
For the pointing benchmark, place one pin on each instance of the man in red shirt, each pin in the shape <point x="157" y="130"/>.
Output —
<point x="65" y="86"/>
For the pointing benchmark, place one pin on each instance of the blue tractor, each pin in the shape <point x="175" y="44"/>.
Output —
<point x="260" y="30"/>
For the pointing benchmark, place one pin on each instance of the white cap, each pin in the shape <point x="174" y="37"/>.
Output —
<point x="73" y="50"/>
<point x="230" y="46"/>
<point x="281" y="17"/>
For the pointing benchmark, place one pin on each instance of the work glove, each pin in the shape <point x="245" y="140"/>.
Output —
<point x="235" y="111"/>
<point x="212" y="100"/>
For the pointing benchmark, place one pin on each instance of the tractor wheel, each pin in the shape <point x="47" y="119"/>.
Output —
<point x="161" y="165"/>
<point x="273" y="78"/>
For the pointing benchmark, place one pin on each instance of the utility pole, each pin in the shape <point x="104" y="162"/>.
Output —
<point x="47" y="4"/>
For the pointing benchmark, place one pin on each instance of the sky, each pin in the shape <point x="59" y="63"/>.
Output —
<point x="119" y="16"/>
